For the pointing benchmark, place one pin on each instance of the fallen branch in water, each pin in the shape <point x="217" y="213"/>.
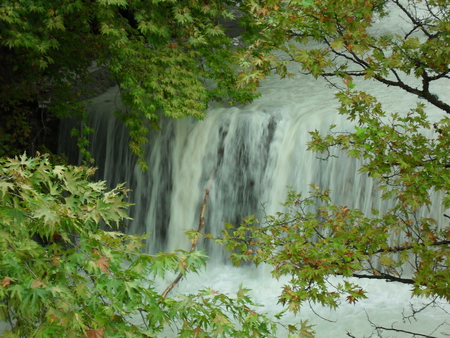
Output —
<point x="201" y="223"/>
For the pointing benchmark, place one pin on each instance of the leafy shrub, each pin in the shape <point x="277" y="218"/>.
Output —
<point x="61" y="275"/>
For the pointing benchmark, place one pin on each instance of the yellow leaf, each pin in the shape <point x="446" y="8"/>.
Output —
<point x="337" y="44"/>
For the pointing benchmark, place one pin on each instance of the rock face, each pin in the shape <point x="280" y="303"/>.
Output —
<point x="99" y="81"/>
<point x="232" y="27"/>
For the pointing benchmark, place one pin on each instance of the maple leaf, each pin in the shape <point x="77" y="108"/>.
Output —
<point x="5" y="186"/>
<point x="55" y="260"/>
<point x="345" y="209"/>
<point x="198" y="330"/>
<point x="6" y="281"/>
<point x="37" y="284"/>
<point x="96" y="333"/>
<point x="263" y="11"/>
<point x="103" y="264"/>
<point x="306" y="330"/>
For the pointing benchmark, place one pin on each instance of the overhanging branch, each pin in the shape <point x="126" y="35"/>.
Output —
<point x="384" y="276"/>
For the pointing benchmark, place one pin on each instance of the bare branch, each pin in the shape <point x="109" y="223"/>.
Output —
<point x="382" y="328"/>
<point x="384" y="276"/>
<point x="201" y="224"/>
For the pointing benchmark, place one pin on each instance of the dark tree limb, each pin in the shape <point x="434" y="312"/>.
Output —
<point x="414" y="334"/>
<point x="385" y="276"/>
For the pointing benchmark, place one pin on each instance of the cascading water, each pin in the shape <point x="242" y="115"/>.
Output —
<point x="251" y="153"/>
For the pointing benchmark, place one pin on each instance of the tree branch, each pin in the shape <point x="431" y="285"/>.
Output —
<point x="201" y="224"/>
<point x="409" y="247"/>
<point x="385" y="276"/>
<point x="414" y="334"/>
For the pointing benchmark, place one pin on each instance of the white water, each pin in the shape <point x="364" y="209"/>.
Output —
<point x="255" y="151"/>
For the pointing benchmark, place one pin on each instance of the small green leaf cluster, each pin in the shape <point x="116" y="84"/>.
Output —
<point x="61" y="275"/>
<point x="314" y="240"/>
<point x="407" y="154"/>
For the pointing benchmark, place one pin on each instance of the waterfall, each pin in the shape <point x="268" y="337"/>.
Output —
<point x="252" y="153"/>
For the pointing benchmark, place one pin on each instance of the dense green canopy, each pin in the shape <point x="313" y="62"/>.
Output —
<point x="173" y="57"/>
<point x="405" y="152"/>
<point x="162" y="54"/>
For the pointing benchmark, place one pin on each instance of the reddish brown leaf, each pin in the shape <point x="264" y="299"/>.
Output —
<point x="263" y="11"/>
<point x="37" y="284"/>
<point x="103" y="264"/>
<point x="351" y="299"/>
<point x="55" y="260"/>
<point x="447" y="233"/>
<point x="6" y="281"/>
<point x="97" y="333"/>
<point x="197" y="330"/>
<point x="344" y="210"/>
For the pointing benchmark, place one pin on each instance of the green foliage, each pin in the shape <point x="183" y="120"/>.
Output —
<point x="61" y="275"/>
<point x="336" y="39"/>
<point x="314" y="240"/>
<point x="407" y="156"/>
<point x="406" y="153"/>
<point x="167" y="56"/>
